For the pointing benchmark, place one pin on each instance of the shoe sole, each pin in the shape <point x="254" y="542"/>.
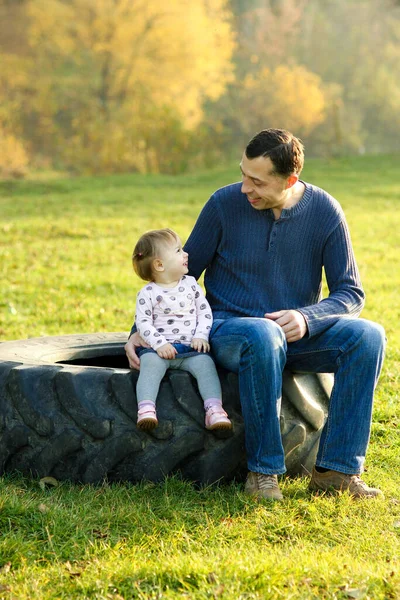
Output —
<point x="219" y="426"/>
<point x="147" y="424"/>
<point x="332" y="491"/>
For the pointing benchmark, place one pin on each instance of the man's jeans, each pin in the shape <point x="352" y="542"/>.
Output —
<point x="256" y="349"/>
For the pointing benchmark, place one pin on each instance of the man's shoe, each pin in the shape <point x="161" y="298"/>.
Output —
<point x="340" y="482"/>
<point x="263" y="486"/>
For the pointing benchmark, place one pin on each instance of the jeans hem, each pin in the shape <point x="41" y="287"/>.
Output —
<point x="267" y="471"/>
<point x="338" y="468"/>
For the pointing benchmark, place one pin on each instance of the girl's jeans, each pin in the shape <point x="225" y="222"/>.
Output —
<point x="256" y="349"/>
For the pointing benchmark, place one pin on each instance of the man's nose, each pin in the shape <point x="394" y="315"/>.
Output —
<point x="246" y="188"/>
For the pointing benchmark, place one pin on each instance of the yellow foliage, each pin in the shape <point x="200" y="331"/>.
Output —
<point x="120" y="84"/>
<point x="288" y="96"/>
<point x="13" y="156"/>
<point x="169" y="53"/>
<point x="14" y="72"/>
<point x="13" y="81"/>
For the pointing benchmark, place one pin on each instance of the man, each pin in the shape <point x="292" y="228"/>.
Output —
<point x="263" y="244"/>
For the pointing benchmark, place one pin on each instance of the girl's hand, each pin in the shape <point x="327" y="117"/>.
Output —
<point x="200" y="345"/>
<point x="167" y="351"/>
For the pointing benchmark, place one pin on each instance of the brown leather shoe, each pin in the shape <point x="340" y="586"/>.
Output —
<point x="259" y="485"/>
<point x="340" y="482"/>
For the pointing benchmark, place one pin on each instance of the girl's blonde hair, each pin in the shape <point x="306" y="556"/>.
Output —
<point x="148" y="248"/>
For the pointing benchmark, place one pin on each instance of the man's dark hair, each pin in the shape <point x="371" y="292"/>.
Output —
<point x="282" y="147"/>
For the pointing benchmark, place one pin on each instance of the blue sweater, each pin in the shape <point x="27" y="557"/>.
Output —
<point x="255" y="264"/>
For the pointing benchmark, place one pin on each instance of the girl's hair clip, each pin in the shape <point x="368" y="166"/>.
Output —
<point x="140" y="253"/>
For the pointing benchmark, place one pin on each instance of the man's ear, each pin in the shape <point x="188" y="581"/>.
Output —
<point x="291" y="180"/>
<point x="157" y="265"/>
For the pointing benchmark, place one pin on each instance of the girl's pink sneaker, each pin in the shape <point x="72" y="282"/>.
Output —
<point x="216" y="418"/>
<point x="147" y="418"/>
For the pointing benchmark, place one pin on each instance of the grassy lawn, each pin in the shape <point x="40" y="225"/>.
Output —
<point x="65" y="249"/>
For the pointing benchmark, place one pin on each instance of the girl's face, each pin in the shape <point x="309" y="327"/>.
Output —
<point x="174" y="261"/>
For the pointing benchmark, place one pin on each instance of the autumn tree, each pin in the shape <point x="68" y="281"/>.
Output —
<point x="13" y="79"/>
<point x="330" y="71"/>
<point x="354" y="46"/>
<point x="105" y="75"/>
<point x="271" y="88"/>
<point x="147" y="85"/>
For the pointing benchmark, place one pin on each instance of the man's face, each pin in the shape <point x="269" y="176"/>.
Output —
<point x="262" y="188"/>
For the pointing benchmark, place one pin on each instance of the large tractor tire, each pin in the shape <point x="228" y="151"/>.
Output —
<point x="68" y="410"/>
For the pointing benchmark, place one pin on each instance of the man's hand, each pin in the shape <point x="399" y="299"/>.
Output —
<point x="292" y="322"/>
<point x="130" y="348"/>
<point x="167" y="351"/>
<point x="200" y="345"/>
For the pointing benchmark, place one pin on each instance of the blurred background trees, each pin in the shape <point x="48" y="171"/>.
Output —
<point x="97" y="86"/>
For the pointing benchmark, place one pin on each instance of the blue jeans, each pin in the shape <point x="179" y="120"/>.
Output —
<point x="256" y="349"/>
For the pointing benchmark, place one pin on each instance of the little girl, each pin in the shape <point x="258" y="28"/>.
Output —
<point x="174" y="318"/>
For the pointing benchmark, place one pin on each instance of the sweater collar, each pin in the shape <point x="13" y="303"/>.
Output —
<point x="298" y="207"/>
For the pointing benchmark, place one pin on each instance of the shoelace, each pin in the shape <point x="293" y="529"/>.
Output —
<point x="358" y="482"/>
<point x="266" y="482"/>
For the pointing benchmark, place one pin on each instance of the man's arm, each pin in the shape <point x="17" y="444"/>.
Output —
<point x="346" y="296"/>
<point x="204" y="239"/>
<point x="134" y="342"/>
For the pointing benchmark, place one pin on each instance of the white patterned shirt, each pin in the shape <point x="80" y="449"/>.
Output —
<point x="173" y="315"/>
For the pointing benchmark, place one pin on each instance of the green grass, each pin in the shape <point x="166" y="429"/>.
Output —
<point x="65" y="249"/>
